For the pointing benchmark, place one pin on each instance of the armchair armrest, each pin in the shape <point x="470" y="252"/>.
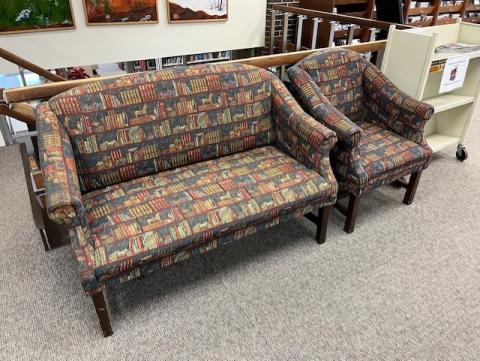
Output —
<point x="387" y="104"/>
<point x="321" y="109"/>
<point x="301" y="136"/>
<point x="62" y="191"/>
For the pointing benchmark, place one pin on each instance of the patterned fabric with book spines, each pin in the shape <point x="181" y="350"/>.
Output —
<point x="386" y="104"/>
<point x="157" y="216"/>
<point x="198" y="249"/>
<point x="347" y="131"/>
<point x="144" y="123"/>
<point x="62" y="193"/>
<point x="380" y="128"/>
<point x="277" y="171"/>
<point x="339" y="76"/>
<point x="301" y="136"/>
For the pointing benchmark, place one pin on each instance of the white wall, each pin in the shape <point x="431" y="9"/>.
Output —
<point x="87" y="45"/>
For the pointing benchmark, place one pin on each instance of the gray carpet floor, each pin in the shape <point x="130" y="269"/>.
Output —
<point x="404" y="286"/>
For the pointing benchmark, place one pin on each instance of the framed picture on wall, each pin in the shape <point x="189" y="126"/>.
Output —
<point x="17" y="16"/>
<point x="182" y="11"/>
<point x="105" y="12"/>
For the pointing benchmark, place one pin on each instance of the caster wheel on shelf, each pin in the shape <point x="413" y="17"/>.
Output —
<point x="462" y="154"/>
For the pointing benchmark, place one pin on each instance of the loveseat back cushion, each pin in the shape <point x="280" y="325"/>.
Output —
<point x="339" y="75"/>
<point x="128" y="127"/>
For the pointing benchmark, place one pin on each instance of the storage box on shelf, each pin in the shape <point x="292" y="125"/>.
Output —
<point x="411" y="63"/>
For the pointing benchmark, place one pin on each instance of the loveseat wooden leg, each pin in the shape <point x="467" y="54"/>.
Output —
<point x="102" y="313"/>
<point x="412" y="187"/>
<point x="322" y="224"/>
<point x="352" y="210"/>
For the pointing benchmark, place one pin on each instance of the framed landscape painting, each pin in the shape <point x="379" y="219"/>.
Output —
<point x="105" y="12"/>
<point x="18" y="16"/>
<point x="181" y="11"/>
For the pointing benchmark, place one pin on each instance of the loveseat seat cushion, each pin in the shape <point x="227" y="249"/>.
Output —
<point x="140" y="124"/>
<point x="157" y="216"/>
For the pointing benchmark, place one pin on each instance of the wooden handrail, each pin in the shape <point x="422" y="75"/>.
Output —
<point x="25" y="64"/>
<point x="45" y="91"/>
<point x="291" y="58"/>
<point x="20" y="111"/>
<point x="346" y="19"/>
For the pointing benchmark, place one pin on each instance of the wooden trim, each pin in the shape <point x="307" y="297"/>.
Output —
<point x="85" y="12"/>
<point x="291" y="58"/>
<point x="73" y="27"/>
<point x="20" y="114"/>
<point x="337" y="17"/>
<point x="170" y="21"/>
<point x="15" y="59"/>
<point x="16" y="95"/>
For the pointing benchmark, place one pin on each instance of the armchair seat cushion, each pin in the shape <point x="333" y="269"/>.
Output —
<point x="386" y="156"/>
<point x="169" y="213"/>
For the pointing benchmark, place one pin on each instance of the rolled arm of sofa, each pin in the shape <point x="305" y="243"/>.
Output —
<point x="321" y="109"/>
<point x="387" y="104"/>
<point x="299" y="135"/>
<point x="62" y="191"/>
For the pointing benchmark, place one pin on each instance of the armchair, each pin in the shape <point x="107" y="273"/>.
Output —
<point x="380" y="129"/>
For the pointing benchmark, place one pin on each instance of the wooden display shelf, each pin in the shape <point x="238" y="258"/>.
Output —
<point x="359" y="8"/>
<point x="436" y="10"/>
<point x="422" y="11"/>
<point x="450" y="9"/>
<point x="473" y="7"/>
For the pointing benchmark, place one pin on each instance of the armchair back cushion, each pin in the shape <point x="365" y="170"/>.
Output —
<point x="339" y="76"/>
<point x="125" y="128"/>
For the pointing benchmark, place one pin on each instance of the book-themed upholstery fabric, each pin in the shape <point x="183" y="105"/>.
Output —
<point x="156" y="216"/>
<point x="380" y="157"/>
<point x="339" y="77"/>
<point x="64" y="202"/>
<point x="301" y="136"/>
<point x="380" y="129"/>
<point x="278" y="170"/>
<point x="128" y="127"/>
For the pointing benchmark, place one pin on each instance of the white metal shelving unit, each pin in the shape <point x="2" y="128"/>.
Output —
<point x="411" y="63"/>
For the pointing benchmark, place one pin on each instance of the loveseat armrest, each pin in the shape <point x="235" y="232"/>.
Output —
<point x="321" y="109"/>
<point x="62" y="190"/>
<point x="387" y="104"/>
<point x="301" y="136"/>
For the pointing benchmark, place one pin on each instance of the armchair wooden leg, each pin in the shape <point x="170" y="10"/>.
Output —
<point x="351" y="215"/>
<point x="412" y="187"/>
<point x="322" y="223"/>
<point x="102" y="313"/>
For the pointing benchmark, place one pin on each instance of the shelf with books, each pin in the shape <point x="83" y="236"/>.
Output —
<point x="439" y="12"/>
<point x="208" y="57"/>
<point x="173" y="61"/>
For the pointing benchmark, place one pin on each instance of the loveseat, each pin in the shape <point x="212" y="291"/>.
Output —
<point x="150" y="169"/>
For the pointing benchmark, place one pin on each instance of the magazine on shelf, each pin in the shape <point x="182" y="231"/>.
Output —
<point x="460" y="48"/>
